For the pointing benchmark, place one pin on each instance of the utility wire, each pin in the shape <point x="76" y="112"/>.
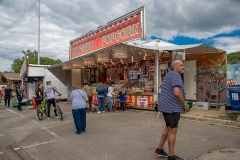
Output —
<point x="19" y="17"/>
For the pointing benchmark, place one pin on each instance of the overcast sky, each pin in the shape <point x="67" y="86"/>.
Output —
<point x="214" y="22"/>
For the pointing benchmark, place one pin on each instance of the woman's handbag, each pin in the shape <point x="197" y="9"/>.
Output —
<point x="87" y="104"/>
<point x="39" y="100"/>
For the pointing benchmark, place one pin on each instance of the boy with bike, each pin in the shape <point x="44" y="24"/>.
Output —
<point x="51" y="99"/>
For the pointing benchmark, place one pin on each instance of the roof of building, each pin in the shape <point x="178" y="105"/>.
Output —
<point x="10" y="76"/>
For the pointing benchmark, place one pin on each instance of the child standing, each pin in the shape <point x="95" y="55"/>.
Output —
<point x="122" y="97"/>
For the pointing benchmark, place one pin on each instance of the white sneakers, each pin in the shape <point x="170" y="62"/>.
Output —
<point x="57" y="117"/>
<point x="99" y="112"/>
<point x="103" y="111"/>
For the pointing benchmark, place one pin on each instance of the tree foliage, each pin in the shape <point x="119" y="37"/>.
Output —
<point x="233" y="57"/>
<point x="32" y="59"/>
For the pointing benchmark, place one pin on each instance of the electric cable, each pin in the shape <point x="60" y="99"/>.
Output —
<point x="19" y="17"/>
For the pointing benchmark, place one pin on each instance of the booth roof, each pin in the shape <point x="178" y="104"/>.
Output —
<point x="148" y="45"/>
<point x="10" y="76"/>
<point x="166" y="46"/>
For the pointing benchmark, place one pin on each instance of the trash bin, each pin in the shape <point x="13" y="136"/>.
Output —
<point x="28" y="103"/>
<point x="190" y="104"/>
<point x="14" y="103"/>
<point x="34" y="103"/>
<point x="234" y="92"/>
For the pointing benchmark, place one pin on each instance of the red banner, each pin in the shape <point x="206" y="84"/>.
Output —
<point x="120" y="32"/>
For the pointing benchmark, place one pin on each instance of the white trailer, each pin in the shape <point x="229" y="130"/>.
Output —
<point x="40" y="73"/>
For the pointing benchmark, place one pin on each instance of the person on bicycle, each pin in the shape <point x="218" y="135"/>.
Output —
<point x="51" y="99"/>
<point x="40" y="98"/>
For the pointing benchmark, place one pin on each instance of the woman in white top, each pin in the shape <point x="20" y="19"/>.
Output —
<point x="110" y="95"/>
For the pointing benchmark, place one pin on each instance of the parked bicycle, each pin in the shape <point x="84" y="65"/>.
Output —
<point x="58" y="108"/>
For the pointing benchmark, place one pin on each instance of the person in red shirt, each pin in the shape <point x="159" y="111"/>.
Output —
<point x="1" y="93"/>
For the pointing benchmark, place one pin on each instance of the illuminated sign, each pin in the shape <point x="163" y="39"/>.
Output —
<point x="120" y="52"/>
<point x="77" y="65"/>
<point x="67" y="66"/>
<point x="128" y="27"/>
<point x="103" y="57"/>
<point x="88" y="61"/>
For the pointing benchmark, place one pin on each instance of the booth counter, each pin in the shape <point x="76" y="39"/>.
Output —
<point x="135" y="100"/>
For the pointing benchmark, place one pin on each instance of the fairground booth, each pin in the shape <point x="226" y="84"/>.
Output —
<point x="118" y="52"/>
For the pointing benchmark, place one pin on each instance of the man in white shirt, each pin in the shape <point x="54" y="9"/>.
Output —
<point x="110" y="95"/>
<point x="51" y="99"/>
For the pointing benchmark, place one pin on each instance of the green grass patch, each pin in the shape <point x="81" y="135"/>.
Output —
<point x="232" y="116"/>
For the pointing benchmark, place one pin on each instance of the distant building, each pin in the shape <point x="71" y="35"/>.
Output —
<point x="11" y="79"/>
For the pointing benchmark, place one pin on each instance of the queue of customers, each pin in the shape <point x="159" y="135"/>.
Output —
<point x="107" y="94"/>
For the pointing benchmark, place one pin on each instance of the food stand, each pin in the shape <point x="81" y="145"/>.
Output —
<point x="114" y="51"/>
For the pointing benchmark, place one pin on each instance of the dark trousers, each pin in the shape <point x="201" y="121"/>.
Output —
<point x="49" y="102"/>
<point x="7" y="101"/>
<point x="122" y="105"/>
<point x="79" y="117"/>
<point x="19" y="102"/>
<point x="90" y="102"/>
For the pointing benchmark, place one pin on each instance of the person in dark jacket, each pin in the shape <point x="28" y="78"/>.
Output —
<point x="122" y="97"/>
<point x="7" y="95"/>
<point x="20" y="94"/>
<point x="101" y="95"/>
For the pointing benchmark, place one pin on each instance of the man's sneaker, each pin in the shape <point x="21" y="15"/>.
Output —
<point x="99" y="112"/>
<point x="57" y="117"/>
<point x="160" y="153"/>
<point x="48" y="118"/>
<point x="174" y="157"/>
<point x="103" y="111"/>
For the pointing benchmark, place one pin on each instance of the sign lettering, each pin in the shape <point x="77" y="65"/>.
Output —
<point x="120" y="32"/>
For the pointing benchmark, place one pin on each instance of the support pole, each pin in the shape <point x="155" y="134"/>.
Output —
<point x="157" y="76"/>
<point x="39" y="32"/>
<point x="183" y="56"/>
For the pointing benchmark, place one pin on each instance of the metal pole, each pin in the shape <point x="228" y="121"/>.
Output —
<point x="183" y="56"/>
<point x="156" y="78"/>
<point x="39" y="32"/>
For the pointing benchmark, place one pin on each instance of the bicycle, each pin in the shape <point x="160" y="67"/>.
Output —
<point x="41" y="108"/>
<point x="58" y="108"/>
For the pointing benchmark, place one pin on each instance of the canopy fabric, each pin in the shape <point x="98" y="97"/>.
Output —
<point x="62" y="75"/>
<point x="165" y="46"/>
<point x="159" y="46"/>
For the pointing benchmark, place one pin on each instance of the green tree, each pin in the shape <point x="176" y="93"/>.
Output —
<point x="233" y="57"/>
<point x="32" y="59"/>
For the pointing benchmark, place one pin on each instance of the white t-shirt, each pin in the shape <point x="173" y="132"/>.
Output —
<point x="50" y="91"/>
<point x="110" y="91"/>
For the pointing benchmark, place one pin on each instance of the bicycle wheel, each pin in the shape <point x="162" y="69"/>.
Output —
<point x="39" y="113"/>
<point x="59" y="112"/>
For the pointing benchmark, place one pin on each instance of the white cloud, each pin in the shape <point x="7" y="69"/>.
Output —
<point x="229" y="44"/>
